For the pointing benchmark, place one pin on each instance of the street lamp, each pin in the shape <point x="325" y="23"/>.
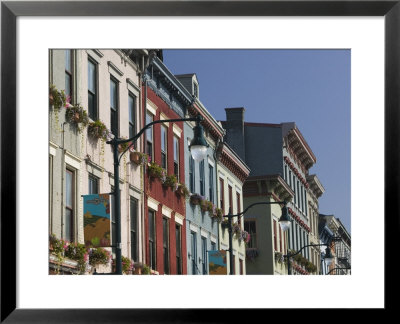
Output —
<point x="230" y="229"/>
<point x="285" y="223"/>
<point x="197" y="148"/>
<point x="328" y="255"/>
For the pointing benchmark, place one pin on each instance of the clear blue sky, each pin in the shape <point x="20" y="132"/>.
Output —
<point x="308" y="87"/>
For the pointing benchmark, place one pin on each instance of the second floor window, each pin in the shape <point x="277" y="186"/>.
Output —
<point x="166" y="245"/>
<point x="202" y="179"/>
<point x="149" y="135"/>
<point x="68" y="73"/>
<point x="250" y="227"/>
<point x="132" y="115"/>
<point x="230" y="199"/>
<point x="176" y="156"/>
<point x="238" y="203"/>
<point x="93" y="184"/>
<point x="164" y="141"/>
<point x="68" y="224"/>
<point x="204" y="254"/>
<point x="92" y="89"/>
<point x="114" y="106"/>
<point x="152" y="240"/>
<point x="191" y="175"/>
<point x="222" y="195"/>
<point x="211" y="182"/>
<point x="133" y="212"/>
<point x="178" y="249"/>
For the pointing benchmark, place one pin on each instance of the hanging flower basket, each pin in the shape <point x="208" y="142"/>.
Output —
<point x="97" y="130"/>
<point x="170" y="181"/>
<point x="195" y="199"/>
<point x="57" y="99"/>
<point x="156" y="171"/>
<point x="76" y="115"/>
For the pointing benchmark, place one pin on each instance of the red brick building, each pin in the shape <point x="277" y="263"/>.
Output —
<point x="164" y="214"/>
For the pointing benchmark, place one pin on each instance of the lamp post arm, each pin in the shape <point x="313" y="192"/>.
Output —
<point x="258" y="203"/>
<point x="292" y="255"/>
<point x="133" y="139"/>
<point x="346" y="268"/>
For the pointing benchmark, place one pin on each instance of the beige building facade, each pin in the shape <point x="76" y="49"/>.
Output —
<point x="106" y="84"/>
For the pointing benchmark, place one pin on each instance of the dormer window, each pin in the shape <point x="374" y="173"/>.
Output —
<point x="195" y="90"/>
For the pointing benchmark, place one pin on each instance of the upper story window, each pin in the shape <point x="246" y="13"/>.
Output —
<point x="152" y="239"/>
<point x="176" y="156"/>
<point x="164" y="141"/>
<point x="68" y="232"/>
<point x="250" y="227"/>
<point x="134" y="220"/>
<point x="204" y="254"/>
<point x="149" y="135"/>
<point x="166" y="244"/>
<point x="114" y="106"/>
<point x="93" y="184"/>
<point x="191" y="174"/>
<point x="202" y="178"/>
<point x="178" y="244"/>
<point x="132" y="115"/>
<point x="92" y="89"/>
<point x="211" y="182"/>
<point x="238" y="203"/>
<point x="68" y="73"/>
<point x="230" y="199"/>
<point x="222" y="195"/>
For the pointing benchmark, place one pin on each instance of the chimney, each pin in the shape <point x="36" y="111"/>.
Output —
<point x="234" y="127"/>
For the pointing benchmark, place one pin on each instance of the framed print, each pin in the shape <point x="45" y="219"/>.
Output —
<point x="167" y="21"/>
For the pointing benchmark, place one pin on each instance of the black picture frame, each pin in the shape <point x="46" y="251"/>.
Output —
<point x="10" y="10"/>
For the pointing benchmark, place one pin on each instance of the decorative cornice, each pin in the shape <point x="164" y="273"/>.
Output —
<point x="315" y="185"/>
<point x="299" y="147"/>
<point x="270" y="185"/>
<point x="229" y="158"/>
<point x="211" y="125"/>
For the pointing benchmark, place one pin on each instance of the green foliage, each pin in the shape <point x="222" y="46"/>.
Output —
<point x="171" y="181"/>
<point x="156" y="171"/>
<point x="77" y="115"/>
<point x="145" y="270"/>
<point x="99" y="256"/>
<point x="77" y="252"/>
<point x="127" y="265"/>
<point x="184" y="189"/>
<point x="97" y="130"/>
<point x="57" y="98"/>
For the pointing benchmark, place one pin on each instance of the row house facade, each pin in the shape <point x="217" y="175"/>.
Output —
<point x="334" y="233"/>
<point x="314" y="192"/>
<point x="106" y="85"/>
<point x="232" y="172"/>
<point x="165" y="210"/>
<point x="279" y="161"/>
<point x="200" y="177"/>
<point x="122" y="91"/>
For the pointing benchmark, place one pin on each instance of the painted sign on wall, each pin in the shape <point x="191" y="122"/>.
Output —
<point x="96" y="220"/>
<point x="217" y="262"/>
